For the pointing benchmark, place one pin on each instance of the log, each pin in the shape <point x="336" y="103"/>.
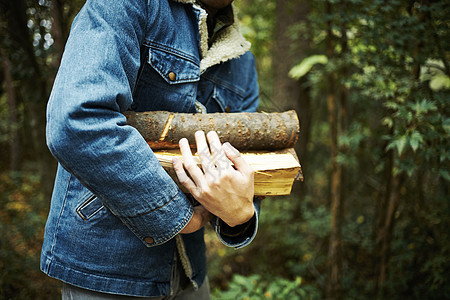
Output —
<point x="275" y="172"/>
<point x="245" y="131"/>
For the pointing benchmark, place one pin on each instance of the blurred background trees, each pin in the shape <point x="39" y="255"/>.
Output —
<point x="370" y="81"/>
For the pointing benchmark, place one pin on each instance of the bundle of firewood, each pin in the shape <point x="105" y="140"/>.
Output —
<point x="265" y="140"/>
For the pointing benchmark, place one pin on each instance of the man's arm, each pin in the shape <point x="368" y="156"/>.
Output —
<point x="87" y="132"/>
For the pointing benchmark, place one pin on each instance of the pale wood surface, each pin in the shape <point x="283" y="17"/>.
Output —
<point x="275" y="172"/>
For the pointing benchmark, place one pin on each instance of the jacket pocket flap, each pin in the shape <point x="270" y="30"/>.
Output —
<point x="173" y="67"/>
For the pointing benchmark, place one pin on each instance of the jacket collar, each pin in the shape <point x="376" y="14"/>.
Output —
<point x="229" y="43"/>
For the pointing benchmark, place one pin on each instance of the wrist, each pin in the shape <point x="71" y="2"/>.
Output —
<point x="228" y="231"/>
<point x="244" y="215"/>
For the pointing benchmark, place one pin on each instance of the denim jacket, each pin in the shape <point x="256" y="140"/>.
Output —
<point x="115" y="213"/>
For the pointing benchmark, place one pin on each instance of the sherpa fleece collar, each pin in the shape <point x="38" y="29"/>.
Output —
<point x="229" y="43"/>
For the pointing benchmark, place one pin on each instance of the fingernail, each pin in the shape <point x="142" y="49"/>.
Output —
<point x="212" y="133"/>
<point x="228" y="147"/>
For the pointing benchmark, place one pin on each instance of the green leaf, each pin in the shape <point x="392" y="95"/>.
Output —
<point x="446" y="125"/>
<point x="415" y="139"/>
<point x="439" y="82"/>
<point x="302" y="68"/>
<point x="444" y="174"/>
<point x="392" y="105"/>
<point x="400" y="144"/>
<point x="388" y="122"/>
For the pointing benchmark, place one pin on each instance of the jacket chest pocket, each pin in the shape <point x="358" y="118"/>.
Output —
<point x="167" y="81"/>
<point x="216" y="98"/>
<point x="220" y="88"/>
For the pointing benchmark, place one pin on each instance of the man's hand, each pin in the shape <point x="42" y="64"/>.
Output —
<point x="225" y="191"/>
<point x="200" y="218"/>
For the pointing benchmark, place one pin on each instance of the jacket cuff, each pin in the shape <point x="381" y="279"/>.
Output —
<point x="163" y="223"/>
<point x="241" y="235"/>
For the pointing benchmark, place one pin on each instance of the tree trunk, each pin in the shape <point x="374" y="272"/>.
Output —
<point x="58" y="29"/>
<point x="14" y="142"/>
<point x="245" y="131"/>
<point x="21" y="37"/>
<point x="334" y="255"/>
<point x="386" y="233"/>
<point x="289" y="50"/>
<point x="62" y="13"/>
<point x="380" y="215"/>
<point x="304" y="110"/>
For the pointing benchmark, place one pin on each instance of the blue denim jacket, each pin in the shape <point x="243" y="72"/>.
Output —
<point x="115" y="213"/>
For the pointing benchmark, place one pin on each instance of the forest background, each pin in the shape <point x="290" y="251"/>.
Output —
<point x="370" y="81"/>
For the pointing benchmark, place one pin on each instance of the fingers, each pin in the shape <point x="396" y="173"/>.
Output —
<point x="221" y="161"/>
<point x="190" y="164"/>
<point x="182" y="176"/>
<point x="218" y="161"/>
<point x="237" y="159"/>
<point x="203" y="152"/>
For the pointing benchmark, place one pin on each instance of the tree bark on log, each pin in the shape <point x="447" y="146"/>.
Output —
<point x="245" y="131"/>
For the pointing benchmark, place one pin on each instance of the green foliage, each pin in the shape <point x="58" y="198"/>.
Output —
<point x="256" y="287"/>
<point x="257" y="21"/>
<point x="22" y="220"/>
<point x="434" y="72"/>
<point x="302" y="68"/>
<point x="391" y="61"/>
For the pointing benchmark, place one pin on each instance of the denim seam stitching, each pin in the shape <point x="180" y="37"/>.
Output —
<point x="179" y="227"/>
<point x="59" y="220"/>
<point x="155" y="209"/>
<point x="225" y="85"/>
<point x="99" y="275"/>
<point x="175" y="52"/>
<point x="166" y="237"/>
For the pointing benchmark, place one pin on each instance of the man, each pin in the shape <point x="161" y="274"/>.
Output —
<point x="118" y="224"/>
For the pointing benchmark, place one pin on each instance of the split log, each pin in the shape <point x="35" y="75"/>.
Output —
<point x="275" y="172"/>
<point x="245" y="131"/>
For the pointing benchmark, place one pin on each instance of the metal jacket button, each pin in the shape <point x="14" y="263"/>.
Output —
<point x="149" y="240"/>
<point x="172" y="76"/>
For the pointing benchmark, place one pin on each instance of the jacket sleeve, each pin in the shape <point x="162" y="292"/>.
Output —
<point x="241" y="235"/>
<point x="87" y="132"/>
